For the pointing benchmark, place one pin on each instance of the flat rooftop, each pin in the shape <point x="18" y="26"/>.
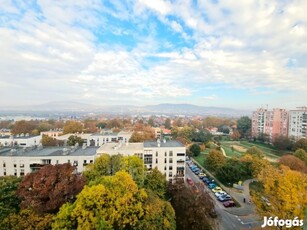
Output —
<point x="169" y="143"/>
<point x="49" y="151"/>
<point x="115" y="148"/>
<point x="19" y="137"/>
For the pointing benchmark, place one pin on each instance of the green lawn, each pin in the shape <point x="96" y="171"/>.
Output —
<point x="228" y="150"/>
<point x="201" y="159"/>
<point x="268" y="150"/>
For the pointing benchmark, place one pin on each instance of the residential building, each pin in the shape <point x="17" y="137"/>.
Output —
<point x="23" y="140"/>
<point x="167" y="156"/>
<point x="298" y="123"/>
<point x="52" y="133"/>
<point x="269" y="124"/>
<point x="19" y="162"/>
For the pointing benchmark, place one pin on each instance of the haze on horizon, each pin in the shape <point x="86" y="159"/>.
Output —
<point x="236" y="54"/>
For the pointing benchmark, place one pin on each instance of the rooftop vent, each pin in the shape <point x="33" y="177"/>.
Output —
<point x="84" y="146"/>
<point x="65" y="151"/>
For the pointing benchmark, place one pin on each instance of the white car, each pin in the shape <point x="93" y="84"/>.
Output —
<point x="220" y="193"/>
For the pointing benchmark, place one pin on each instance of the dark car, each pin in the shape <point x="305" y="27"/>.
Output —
<point x="195" y="169"/>
<point x="229" y="203"/>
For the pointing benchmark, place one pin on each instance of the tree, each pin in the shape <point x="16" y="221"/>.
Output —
<point x="300" y="144"/>
<point x="107" y="165"/>
<point x="90" y="126"/>
<point x="49" y="141"/>
<point x="201" y="136"/>
<point x="255" y="151"/>
<point x="293" y="163"/>
<point x="215" y="160"/>
<point x="283" y="143"/>
<point x="195" y="149"/>
<point x="151" y="122"/>
<point x="301" y="154"/>
<point x="9" y="202"/>
<point x="22" y="127"/>
<point x="116" y="203"/>
<point x="156" y="182"/>
<point x="286" y="191"/>
<point x="244" y="126"/>
<point x="255" y="163"/>
<point x="27" y="219"/>
<point x="44" y="126"/>
<point x="49" y="188"/>
<point x="73" y="140"/>
<point x="193" y="211"/>
<point x="224" y="129"/>
<point x="234" y="171"/>
<point x="72" y="127"/>
<point x="167" y="123"/>
<point x="235" y="135"/>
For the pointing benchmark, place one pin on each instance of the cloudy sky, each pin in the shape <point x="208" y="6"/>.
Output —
<point x="231" y="53"/>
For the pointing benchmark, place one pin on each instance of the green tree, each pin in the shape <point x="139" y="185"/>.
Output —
<point x="301" y="154"/>
<point x="9" y="202"/>
<point x="195" y="149"/>
<point x="201" y="136"/>
<point x="27" y="219"/>
<point x="116" y="203"/>
<point x="167" y="123"/>
<point x="244" y="125"/>
<point x="283" y="143"/>
<point x="73" y="140"/>
<point x="151" y="122"/>
<point x="72" y="127"/>
<point x="46" y="190"/>
<point x="215" y="160"/>
<point x="156" y="182"/>
<point x="234" y="171"/>
<point x="300" y="144"/>
<point x="255" y="151"/>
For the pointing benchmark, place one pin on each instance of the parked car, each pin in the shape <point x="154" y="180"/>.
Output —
<point x="195" y="169"/>
<point x="198" y="172"/>
<point x="224" y="198"/>
<point x="201" y="175"/>
<point x="190" y="181"/>
<point x="221" y="193"/>
<point x="217" y="189"/>
<point x="212" y="185"/>
<point x="229" y="203"/>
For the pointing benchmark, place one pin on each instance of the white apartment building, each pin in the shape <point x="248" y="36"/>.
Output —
<point x="98" y="139"/>
<point x="298" y="123"/>
<point x="167" y="156"/>
<point x="22" y="161"/>
<point x="52" y="133"/>
<point x="20" y="140"/>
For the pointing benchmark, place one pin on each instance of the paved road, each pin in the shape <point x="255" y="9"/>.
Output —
<point x="227" y="221"/>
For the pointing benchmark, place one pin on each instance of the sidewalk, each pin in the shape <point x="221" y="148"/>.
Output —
<point x="246" y="208"/>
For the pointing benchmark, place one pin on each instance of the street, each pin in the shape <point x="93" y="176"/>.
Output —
<point x="226" y="220"/>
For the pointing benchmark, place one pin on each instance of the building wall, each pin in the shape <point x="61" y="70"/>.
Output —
<point x="20" y="165"/>
<point x="23" y="142"/>
<point x="298" y="123"/>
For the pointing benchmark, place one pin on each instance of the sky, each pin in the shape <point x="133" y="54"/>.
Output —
<point x="240" y="54"/>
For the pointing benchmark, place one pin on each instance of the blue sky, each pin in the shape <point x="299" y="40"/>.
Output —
<point x="240" y="53"/>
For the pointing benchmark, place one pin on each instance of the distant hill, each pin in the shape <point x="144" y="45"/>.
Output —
<point x="167" y="109"/>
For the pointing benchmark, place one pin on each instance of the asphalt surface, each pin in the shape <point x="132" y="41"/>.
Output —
<point x="227" y="221"/>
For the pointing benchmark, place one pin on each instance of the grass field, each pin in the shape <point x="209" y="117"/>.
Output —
<point x="268" y="150"/>
<point x="201" y="159"/>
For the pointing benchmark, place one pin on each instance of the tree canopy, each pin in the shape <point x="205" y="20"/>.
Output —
<point x="215" y="160"/>
<point x="244" y="126"/>
<point x="195" y="149"/>
<point x="49" y="188"/>
<point x="72" y="127"/>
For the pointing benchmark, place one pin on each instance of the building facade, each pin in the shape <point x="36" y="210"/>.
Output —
<point x="20" y="140"/>
<point x="298" y="123"/>
<point x="270" y="124"/>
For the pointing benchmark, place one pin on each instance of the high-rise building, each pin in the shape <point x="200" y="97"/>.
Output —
<point x="270" y="124"/>
<point x="298" y="123"/>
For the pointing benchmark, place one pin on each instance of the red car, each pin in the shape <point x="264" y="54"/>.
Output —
<point x="229" y="203"/>
<point x="190" y="181"/>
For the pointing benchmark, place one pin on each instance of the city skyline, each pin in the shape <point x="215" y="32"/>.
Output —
<point x="242" y="54"/>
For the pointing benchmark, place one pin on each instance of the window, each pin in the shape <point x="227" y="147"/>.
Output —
<point x="91" y="161"/>
<point x="164" y="168"/>
<point x="147" y="159"/>
<point x="165" y="160"/>
<point x="15" y="165"/>
<point x="22" y="172"/>
<point x="157" y="154"/>
<point x="15" y="172"/>
<point x="84" y="161"/>
<point x="180" y="154"/>
<point x="170" y="167"/>
<point x="68" y="161"/>
<point x="57" y="161"/>
<point x="22" y="166"/>
<point x="156" y="160"/>
<point x="165" y="154"/>
<point x="171" y="160"/>
<point x="4" y="165"/>
<point x="170" y="153"/>
<point x="170" y="174"/>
